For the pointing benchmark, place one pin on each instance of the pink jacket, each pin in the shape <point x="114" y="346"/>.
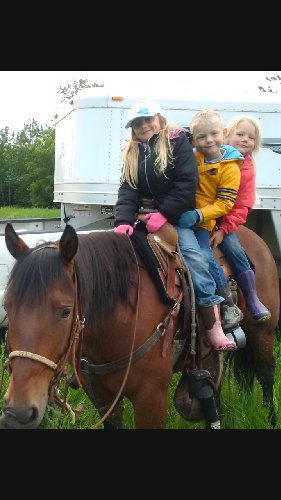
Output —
<point x="245" y="198"/>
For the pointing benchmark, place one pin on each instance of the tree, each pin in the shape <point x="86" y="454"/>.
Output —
<point x="41" y="171"/>
<point x="27" y="162"/>
<point x="275" y="84"/>
<point x="70" y="89"/>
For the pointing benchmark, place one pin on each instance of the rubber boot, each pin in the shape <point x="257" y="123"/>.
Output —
<point x="247" y="283"/>
<point x="214" y="332"/>
<point x="231" y="315"/>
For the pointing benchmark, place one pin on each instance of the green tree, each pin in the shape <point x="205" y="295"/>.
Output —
<point x="27" y="161"/>
<point x="6" y="160"/>
<point x="23" y="154"/>
<point x="41" y="170"/>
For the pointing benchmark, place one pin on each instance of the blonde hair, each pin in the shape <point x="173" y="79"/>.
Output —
<point x="232" y="126"/>
<point x="130" y="153"/>
<point x="205" y="116"/>
<point x="231" y="129"/>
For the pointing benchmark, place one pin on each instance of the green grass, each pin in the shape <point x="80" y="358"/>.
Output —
<point x="26" y="213"/>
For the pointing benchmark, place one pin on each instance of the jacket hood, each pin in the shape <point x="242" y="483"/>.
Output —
<point x="231" y="153"/>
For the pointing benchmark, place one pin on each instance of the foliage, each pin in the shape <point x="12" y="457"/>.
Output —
<point x="276" y="82"/>
<point x="70" y="89"/>
<point x="27" y="162"/>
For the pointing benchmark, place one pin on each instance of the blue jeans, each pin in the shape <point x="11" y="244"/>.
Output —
<point x="235" y="254"/>
<point x="203" y="238"/>
<point x="203" y="283"/>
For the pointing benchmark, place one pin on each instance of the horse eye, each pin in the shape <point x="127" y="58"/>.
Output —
<point x="65" y="313"/>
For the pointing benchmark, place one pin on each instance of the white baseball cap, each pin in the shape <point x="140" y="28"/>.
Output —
<point x="143" y="109"/>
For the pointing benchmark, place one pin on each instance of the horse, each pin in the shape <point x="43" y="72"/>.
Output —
<point x="256" y="359"/>
<point x="87" y="300"/>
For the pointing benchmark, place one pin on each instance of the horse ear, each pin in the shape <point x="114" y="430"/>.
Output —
<point x="14" y="243"/>
<point x="68" y="244"/>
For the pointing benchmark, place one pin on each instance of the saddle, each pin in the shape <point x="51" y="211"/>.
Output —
<point x="164" y="245"/>
<point x="160" y="254"/>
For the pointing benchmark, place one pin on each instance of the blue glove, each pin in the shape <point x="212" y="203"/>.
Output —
<point x="189" y="219"/>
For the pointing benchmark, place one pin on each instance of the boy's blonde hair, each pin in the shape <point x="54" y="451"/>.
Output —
<point x="232" y="126"/>
<point x="205" y="116"/>
<point x="130" y="153"/>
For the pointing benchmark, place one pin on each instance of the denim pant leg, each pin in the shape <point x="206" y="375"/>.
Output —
<point x="203" y="238"/>
<point x="204" y="285"/>
<point x="235" y="253"/>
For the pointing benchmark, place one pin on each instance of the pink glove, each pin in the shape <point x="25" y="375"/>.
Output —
<point x="154" y="221"/>
<point x="124" y="229"/>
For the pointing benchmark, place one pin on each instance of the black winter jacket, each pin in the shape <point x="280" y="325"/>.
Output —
<point x="173" y="192"/>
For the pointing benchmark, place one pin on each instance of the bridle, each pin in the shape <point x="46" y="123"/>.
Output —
<point x="74" y="345"/>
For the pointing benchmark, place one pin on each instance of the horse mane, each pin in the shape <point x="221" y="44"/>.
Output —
<point x="104" y="266"/>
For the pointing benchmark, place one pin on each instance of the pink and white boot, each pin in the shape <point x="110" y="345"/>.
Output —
<point x="214" y="332"/>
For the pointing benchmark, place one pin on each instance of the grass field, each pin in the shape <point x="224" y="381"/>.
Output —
<point x="28" y="213"/>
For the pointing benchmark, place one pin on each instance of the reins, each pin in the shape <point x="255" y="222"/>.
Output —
<point x="108" y="412"/>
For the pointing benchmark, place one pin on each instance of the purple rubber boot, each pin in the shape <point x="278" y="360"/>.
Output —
<point x="247" y="283"/>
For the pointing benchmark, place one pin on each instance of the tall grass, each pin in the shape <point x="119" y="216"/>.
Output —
<point x="239" y="410"/>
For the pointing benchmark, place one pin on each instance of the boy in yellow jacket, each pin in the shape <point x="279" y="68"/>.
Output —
<point x="219" y="179"/>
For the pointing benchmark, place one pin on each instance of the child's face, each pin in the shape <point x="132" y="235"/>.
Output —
<point x="145" y="128"/>
<point x="208" y="139"/>
<point x="244" y="137"/>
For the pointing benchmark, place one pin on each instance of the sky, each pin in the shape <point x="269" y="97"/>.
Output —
<point x="27" y="95"/>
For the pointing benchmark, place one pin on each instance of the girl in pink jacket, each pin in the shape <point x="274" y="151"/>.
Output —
<point x="243" y="133"/>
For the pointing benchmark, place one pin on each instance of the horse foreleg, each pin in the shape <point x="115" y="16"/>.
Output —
<point x="150" y="408"/>
<point x="103" y="399"/>
<point x="114" y="420"/>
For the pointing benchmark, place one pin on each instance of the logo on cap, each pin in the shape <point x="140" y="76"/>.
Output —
<point x="143" y="111"/>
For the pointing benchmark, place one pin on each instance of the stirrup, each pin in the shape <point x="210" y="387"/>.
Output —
<point x="231" y="316"/>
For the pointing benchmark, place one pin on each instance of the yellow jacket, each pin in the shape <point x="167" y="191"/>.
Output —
<point x="218" y="186"/>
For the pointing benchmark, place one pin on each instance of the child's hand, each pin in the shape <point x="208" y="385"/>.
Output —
<point x="154" y="221"/>
<point x="124" y="229"/>
<point x="216" y="238"/>
<point x="188" y="219"/>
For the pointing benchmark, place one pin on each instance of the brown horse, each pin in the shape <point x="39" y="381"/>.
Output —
<point x="88" y="296"/>
<point x="256" y="359"/>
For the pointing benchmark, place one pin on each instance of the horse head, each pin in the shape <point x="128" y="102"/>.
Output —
<point x="41" y="304"/>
